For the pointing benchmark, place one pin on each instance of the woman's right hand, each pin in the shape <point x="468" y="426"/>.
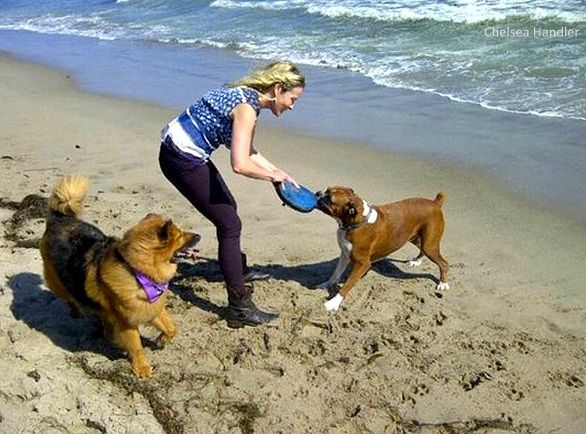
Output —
<point x="279" y="176"/>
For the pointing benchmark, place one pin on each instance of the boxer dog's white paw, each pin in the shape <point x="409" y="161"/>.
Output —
<point x="334" y="303"/>
<point x="443" y="286"/>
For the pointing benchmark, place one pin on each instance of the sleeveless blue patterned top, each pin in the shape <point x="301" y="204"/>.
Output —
<point x="206" y="125"/>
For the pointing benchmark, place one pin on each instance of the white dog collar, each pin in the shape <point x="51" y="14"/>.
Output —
<point x="369" y="212"/>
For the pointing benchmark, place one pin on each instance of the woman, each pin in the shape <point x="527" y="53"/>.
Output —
<point x="227" y="116"/>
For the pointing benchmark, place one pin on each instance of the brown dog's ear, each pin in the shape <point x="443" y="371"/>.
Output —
<point x="165" y="231"/>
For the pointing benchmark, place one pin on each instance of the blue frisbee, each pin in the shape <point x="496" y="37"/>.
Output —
<point x="299" y="198"/>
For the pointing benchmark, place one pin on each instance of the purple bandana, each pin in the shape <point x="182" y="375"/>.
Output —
<point x="153" y="290"/>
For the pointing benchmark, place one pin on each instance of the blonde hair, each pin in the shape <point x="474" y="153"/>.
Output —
<point x="263" y="78"/>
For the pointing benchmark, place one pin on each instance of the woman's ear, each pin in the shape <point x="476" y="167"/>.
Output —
<point x="278" y="88"/>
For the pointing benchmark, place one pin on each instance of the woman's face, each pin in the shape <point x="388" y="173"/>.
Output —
<point x="285" y="98"/>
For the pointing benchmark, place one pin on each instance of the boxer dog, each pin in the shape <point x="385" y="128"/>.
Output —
<point x="369" y="233"/>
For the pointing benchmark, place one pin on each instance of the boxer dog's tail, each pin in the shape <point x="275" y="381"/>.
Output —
<point x="440" y="198"/>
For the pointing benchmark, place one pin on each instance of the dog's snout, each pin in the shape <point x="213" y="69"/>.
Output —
<point x="322" y="196"/>
<point x="190" y="239"/>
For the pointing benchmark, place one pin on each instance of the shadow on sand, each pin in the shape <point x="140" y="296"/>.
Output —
<point x="307" y="275"/>
<point x="44" y="312"/>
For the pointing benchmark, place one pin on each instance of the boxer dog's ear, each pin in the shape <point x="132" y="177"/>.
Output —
<point x="348" y="213"/>
<point x="350" y="209"/>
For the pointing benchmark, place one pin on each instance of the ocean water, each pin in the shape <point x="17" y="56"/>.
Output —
<point x="522" y="56"/>
<point x="423" y="78"/>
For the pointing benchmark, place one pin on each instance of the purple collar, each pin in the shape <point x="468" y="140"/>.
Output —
<point x="153" y="290"/>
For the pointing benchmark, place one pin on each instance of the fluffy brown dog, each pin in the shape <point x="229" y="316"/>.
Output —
<point x="369" y="233"/>
<point x="123" y="281"/>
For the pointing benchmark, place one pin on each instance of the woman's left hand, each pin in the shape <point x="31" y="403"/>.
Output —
<point x="293" y="181"/>
<point x="279" y="176"/>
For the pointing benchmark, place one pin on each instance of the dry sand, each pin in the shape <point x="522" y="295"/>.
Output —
<point x="502" y="351"/>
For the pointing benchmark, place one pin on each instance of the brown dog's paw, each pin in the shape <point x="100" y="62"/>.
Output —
<point x="142" y="369"/>
<point x="164" y="339"/>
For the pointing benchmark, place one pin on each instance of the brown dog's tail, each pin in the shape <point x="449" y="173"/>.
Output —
<point x="69" y="194"/>
<point x="440" y="198"/>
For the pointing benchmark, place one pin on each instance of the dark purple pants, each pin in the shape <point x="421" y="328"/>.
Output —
<point x="203" y="186"/>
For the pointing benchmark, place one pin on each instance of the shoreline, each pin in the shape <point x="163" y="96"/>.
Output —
<point x="537" y="159"/>
<point x="505" y="344"/>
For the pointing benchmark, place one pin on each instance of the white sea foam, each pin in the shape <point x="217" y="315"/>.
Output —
<point x="396" y="71"/>
<point x="88" y="26"/>
<point x="463" y="67"/>
<point x="459" y="11"/>
<point x="272" y="5"/>
<point x="92" y="27"/>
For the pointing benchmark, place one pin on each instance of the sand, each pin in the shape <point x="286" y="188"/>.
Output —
<point x="502" y="351"/>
